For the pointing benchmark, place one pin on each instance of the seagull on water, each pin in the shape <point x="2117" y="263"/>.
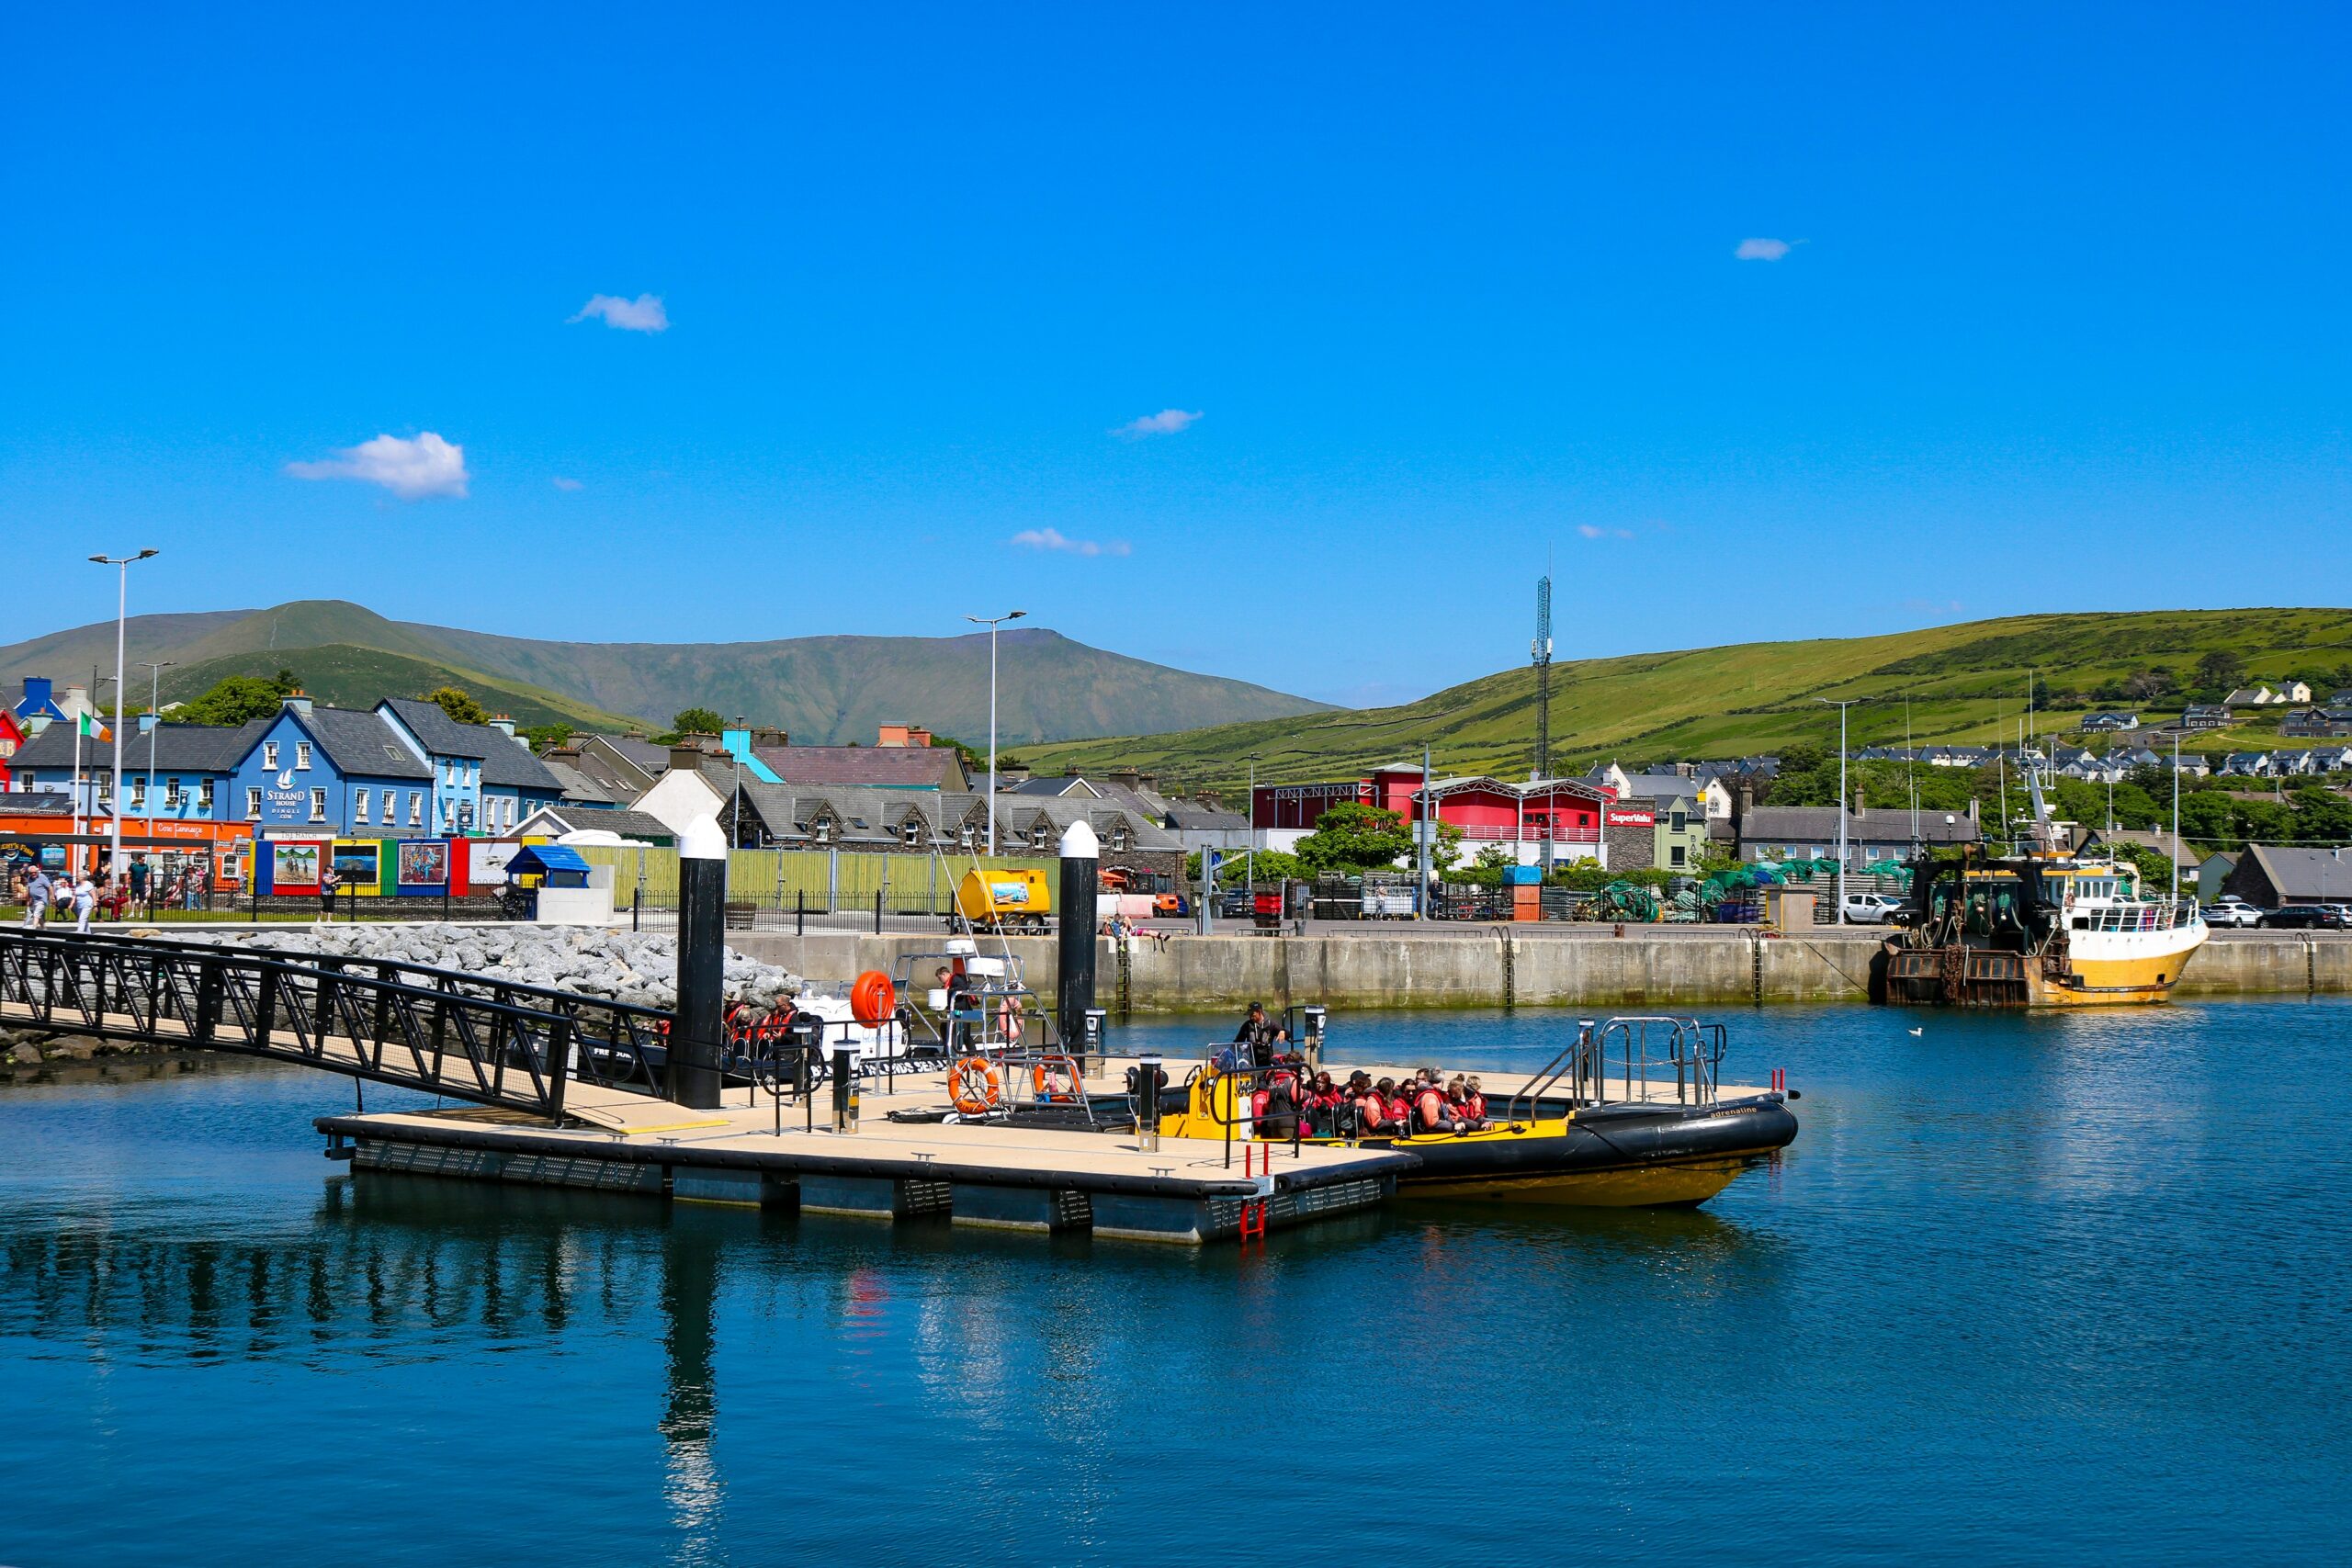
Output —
<point x="1917" y="1033"/>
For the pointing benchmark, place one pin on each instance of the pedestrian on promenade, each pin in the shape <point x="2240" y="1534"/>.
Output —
<point x="35" y="897"/>
<point x="328" y="883"/>
<point x="85" y="898"/>
<point x="142" y="880"/>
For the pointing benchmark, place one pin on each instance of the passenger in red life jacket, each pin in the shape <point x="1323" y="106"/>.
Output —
<point x="1276" y="1106"/>
<point x="1396" y="1105"/>
<point x="1429" y="1112"/>
<point x="1371" y="1108"/>
<point x="1474" y="1103"/>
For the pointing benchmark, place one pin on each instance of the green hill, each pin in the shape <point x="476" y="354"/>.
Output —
<point x="1964" y="683"/>
<point x="821" y="689"/>
<point x="343" y="676"/>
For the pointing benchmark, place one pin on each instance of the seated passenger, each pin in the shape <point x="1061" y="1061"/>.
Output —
<point x="1474" y="1102"/>
<point x="1431" y="1114"/>
<point x="1277" y="1106"/>
<point x="1396" y="1105"/>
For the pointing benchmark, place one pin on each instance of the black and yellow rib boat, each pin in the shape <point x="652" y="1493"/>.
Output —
<point x="1629" y="1116"/>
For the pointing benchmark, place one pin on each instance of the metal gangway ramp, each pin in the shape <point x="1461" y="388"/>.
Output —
<point x="546" y="1053"/>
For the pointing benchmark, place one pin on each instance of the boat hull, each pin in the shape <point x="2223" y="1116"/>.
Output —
<point x="2099" y="970"/>
<point x="1610" y="1157"/>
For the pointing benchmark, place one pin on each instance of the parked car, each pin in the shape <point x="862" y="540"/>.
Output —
<point x="2230" y="909"/>
<point x="1870" y="908"/>
<point x="2304" y="918"/>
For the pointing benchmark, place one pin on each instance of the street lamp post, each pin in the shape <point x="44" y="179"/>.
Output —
<point x="1249" y="845"/>
<point x="735" y="812"/>
<point x="992" y="622"/>
<point x="1841" y="704"/>
<point x="154" y="668"/>
<point x="121" y="616"/>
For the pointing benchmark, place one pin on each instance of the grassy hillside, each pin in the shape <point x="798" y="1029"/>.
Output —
<point x="344" y="676"/>
<point x="821" y="689"/>
<point x="1964" y="683"/>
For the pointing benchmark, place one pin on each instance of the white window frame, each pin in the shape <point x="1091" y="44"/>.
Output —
<point x="301" y="756"/>
<point x="204" y="797"/>
<point x="253" y="802"/>
<point x="317" y="806"/>
<point x="359" y="804"/>
<point x="269" y="756"/>
<point x="415" y="809"/>
<point x="173" y="793"/>
<point x="139" y="791"/>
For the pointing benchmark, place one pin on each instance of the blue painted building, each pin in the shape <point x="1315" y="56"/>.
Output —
<point x="329" y="771"/>
<point x="485" y="782"/>
<point x="171" y="772"/>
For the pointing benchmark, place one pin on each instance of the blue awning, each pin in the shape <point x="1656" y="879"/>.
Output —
<point x="539" y="859"/>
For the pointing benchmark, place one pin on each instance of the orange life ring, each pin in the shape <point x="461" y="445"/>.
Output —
<point x="974" y="1086"/>
<point x="1055" y="1078"/>
<point x="873" y="999"/>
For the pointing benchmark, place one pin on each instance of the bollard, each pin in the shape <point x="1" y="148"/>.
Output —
<point x="845" y="1089"/>
<point x="1091" y="1021"/>
<point x="1074" y="951"/>
<point x="695" y="1037"/>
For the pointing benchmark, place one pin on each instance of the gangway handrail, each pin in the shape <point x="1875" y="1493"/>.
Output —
<point x="1693" y="1050"/>
<point x="434" y="1038"/>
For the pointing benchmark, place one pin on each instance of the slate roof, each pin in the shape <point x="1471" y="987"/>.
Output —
<point x="1818" y="825"/>
<point x="2312" y="875"/>
<point x="569" y="819"/>
<point x="36" y="803"/>
<point x="361" y="742"/>
<point x="578" y="788"/>
<point x="180" y="748"/>
<point x="505" y="761"/>
<point x="901" y="767"/>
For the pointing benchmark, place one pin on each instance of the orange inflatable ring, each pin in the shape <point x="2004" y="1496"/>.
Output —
<point x="873" y="999"/>
<point x="974" y="1086"/>
<point x="1057" y="1080"/>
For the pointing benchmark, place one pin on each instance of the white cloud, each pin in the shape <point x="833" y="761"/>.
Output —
<point x="412" y="470"/>
<point x="1053" y="539"/>
<point x="564" y="484"/>
<point x="642" y="314"/>
<point x="1762" y="250"/>
<point x="1166" y="421"/>
<point x="1591" y="532"/>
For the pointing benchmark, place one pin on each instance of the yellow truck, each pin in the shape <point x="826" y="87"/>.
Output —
<point x="1003" y="900"/>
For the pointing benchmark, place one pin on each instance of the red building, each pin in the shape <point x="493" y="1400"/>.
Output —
<point x="1519" y="816"/>
<point x="12" y="734"/>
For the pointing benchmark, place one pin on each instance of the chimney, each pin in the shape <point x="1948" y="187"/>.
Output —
<point x="1858" y="812"/>
<point x="686" y="756"/>
<point x="565" y="754"/>
<point x="1211" y="799"/>
<point x="1745" y="801"/>
<point x="37" y="691"/>
<point x="1148" y="781"/>
<point x="633" y="735"/>
<point x="890" y="734"/>
<point x="1125" y="777"/>
<point x="148" y="721"/>
<point x="503" y="725"/>
<point x="918" y="735"/>
<point x="299" y="700"/>
<point x="769" y="735"/>
<point x="1971" y="808"/>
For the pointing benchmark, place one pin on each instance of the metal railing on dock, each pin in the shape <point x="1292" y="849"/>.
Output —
<point x="1635" y="1055"/>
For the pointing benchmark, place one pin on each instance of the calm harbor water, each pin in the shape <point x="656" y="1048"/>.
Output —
<point x="2027" y="1290"/>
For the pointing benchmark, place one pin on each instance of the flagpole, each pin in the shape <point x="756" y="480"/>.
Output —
<point x="121" y="565"/>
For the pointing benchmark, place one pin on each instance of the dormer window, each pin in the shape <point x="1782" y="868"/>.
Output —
<point x="821" y="830"/>
<point x="966" y="835"/>
<point x="1038" y="834"/>
<point x="911" y="834"/>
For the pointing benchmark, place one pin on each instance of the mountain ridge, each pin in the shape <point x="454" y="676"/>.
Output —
<point x="829" y="688"/>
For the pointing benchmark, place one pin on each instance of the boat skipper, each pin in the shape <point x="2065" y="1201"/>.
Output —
<point x="1262" y="1034"/>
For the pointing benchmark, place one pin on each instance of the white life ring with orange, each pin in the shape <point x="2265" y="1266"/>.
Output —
<point x="1056" y="1080"/>
<point x="974" y="1086"/>
<point x="1010" y="1021"/>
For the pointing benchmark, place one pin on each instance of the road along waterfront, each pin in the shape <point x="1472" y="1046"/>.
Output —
<point x="2031" y="1288"/>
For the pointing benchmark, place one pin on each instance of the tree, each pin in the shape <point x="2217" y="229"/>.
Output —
<point x="239" y="699"/>
<point x="697" y="721"/>
<point x="1356" y="837"/>
<point x="459" y="704"/>
<point x="2220" y="667"/>
<point x="546" y="737"/>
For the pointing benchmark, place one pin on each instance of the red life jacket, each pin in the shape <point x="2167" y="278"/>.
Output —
<point x="1475" y="1107"/>
<point x="1431" y="1106"/>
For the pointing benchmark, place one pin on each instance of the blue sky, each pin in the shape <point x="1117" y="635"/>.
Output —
<point x="2060" y="322"/>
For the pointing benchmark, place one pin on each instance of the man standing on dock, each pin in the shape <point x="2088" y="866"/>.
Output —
<point x="1262" y="1034"/>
